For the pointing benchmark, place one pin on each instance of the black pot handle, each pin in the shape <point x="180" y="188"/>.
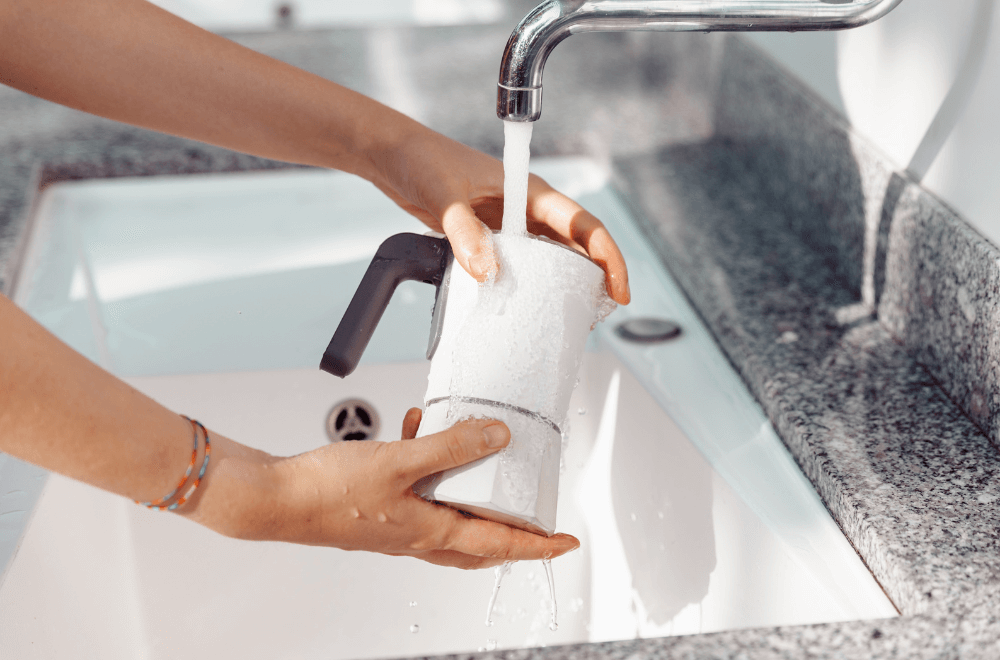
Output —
<point x="399" y="258"/>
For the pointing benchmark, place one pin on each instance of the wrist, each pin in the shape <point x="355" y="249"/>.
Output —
<point x="382" y="141"/>
<point x="241" y="493"/>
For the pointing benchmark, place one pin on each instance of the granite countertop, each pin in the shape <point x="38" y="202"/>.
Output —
<point x="857" y="308"/>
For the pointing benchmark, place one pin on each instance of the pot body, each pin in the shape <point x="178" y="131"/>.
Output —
<point x="510" y="350"/>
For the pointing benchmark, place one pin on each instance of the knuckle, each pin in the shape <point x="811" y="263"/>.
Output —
<point x="389" y="460"/>
<point x="503" y="553"/>
<point x="454" y="445"/>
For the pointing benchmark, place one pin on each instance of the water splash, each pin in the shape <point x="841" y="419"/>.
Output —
<point x="553" y="620"/>
<point x="500" y="571"/>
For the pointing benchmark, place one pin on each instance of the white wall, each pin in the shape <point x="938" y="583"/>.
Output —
<point x="927" y="62"/>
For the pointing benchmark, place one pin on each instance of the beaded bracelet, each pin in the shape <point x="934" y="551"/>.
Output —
<point x="187" y="473"/>
<point x="201" y="472"/>
<point x="160" y="505"/>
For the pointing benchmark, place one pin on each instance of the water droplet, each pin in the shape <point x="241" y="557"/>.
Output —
<point x="633" y="517"/>
<point x="553" y="626"/>
<point x="491" y="644"/>
<point x="581" y="411"/>
<point x="355" y="512"/>
<point x="414" y="628"/>
<point x="413" y="603"/>
<point x="659" y="514"/>
<point x="576" y="383"/>
<point x="382" y="517"/>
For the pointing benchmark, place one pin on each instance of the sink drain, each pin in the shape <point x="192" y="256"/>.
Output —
<point x="648" y="330"/>
<point x="353" y="419"/>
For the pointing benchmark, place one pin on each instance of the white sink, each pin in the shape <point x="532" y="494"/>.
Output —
<point x="217" y="294"/>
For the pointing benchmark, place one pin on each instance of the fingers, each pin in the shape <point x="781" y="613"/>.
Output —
<point x="483" y="538"/>
<point x="471" y="241"/>
<point x="453" y="559"/>
<point x="487" y="543"/>
<point x="463" y="443"/>
<point x="572" y="222"/>
<point x="411" y="422"/>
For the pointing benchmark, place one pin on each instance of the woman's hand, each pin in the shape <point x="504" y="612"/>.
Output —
<point x="458" y="190"/>
<point x="359" y="496"/>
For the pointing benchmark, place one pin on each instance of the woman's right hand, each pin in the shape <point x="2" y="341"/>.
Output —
<point x="458" y="190"/>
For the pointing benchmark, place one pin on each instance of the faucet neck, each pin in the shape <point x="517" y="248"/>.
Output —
<point x="519" y="90"/>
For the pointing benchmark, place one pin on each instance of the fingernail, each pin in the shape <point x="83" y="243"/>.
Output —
<point x="496" y="435"/>
<point x="572" y="542"/>
<point x="482" y="265"/>
<point x="476" y="267"/>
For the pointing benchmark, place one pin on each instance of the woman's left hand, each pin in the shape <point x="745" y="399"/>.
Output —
<point x="359" y="496"/>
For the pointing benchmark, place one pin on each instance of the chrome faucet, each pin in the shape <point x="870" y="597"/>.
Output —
<point x="519" y="92"/>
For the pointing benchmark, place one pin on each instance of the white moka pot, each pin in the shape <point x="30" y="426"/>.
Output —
<point x="509" y="349"/>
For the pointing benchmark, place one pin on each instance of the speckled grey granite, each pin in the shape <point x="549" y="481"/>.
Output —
<point x="786" y="231"/>
<point x="933" y="279"/>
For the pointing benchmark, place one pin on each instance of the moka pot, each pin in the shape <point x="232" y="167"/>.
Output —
<point x="509" y="349"/>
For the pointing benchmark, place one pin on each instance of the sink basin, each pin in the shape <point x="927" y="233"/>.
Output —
<point x="216" y="296"/>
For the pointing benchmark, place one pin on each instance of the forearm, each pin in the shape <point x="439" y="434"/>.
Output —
<point x="64" y="413"/>
<point x="131" y="61"/>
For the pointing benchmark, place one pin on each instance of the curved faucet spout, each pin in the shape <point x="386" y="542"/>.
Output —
<point x="519" y="91"/>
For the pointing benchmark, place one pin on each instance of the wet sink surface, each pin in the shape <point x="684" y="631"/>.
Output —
<point x="216" y="295"/>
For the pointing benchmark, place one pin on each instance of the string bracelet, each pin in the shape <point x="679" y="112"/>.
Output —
<point x="187" y="473"/>
<point x="201" y="472"/>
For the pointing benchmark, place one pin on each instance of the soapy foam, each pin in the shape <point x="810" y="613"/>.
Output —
<point x="512" y="347"/>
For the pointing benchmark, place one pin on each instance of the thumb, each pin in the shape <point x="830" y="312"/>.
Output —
<point x="471" y="241"/>
<point x="463" y="443"/>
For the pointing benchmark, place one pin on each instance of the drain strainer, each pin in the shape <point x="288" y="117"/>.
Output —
<point x="353" y="419"/>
